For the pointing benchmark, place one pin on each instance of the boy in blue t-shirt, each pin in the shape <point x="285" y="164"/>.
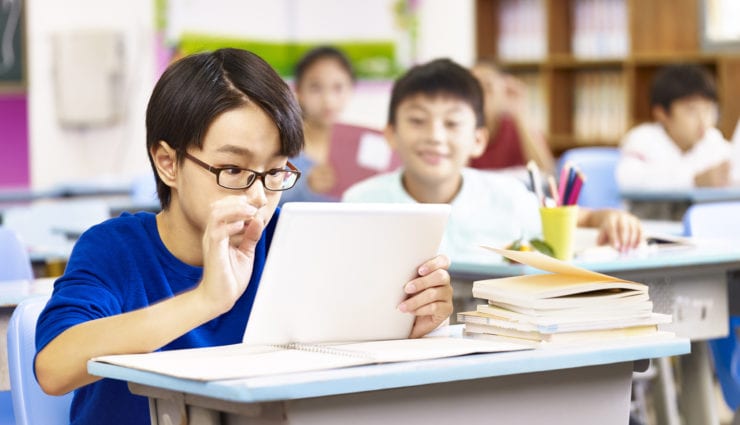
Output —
<point x="220" y="128"/>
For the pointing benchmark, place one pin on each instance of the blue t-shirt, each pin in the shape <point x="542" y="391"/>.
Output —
<point x="119" y="266"/>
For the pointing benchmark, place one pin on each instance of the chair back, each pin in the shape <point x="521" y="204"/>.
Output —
<point x="144" y="190"/>
<point x="713" y="220"/>
<point x="15" y="263"/>
<point x="720" y="220"/>
<point x="30" y="404"/>
<point x="598" y="164"/>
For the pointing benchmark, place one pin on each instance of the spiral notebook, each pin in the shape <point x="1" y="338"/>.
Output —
<point x="244" y="361"/>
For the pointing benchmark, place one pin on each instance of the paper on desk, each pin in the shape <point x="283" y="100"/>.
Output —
<point x="586" y="249"/>
<point x="245" y="361"/>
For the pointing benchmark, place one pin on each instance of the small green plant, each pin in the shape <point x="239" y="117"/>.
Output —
<point x="533" y="244"/>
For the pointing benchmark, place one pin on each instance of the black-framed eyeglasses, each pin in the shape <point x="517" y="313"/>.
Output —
<point x="236" y="178"/>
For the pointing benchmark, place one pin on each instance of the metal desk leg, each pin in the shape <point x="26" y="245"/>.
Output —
<point x="664" y="393"/>
<point x="698" y="403"/>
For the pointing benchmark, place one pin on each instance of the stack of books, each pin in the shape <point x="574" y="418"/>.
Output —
<point x="568" y="304"/>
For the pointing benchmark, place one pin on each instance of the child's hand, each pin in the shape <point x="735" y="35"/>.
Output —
<point x="514" y="93"/>
<point x="620" y="229"/>
<point x="717" y="176"/>
<point x="430" y="296"/>
<point x="321" y="178"/>
<point x="233" y="230"/>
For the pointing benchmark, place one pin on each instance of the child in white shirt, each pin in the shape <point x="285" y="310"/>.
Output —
<point x="682" y="148"/>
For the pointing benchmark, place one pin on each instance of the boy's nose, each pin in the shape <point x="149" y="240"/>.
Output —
<point x="256" y="194"/>
<point x="438" y="132"/>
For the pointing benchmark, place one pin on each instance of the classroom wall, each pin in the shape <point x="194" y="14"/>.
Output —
<point x="446" y="29"/>
<point x="14" y="140"/>
<point x="60" y="155"/>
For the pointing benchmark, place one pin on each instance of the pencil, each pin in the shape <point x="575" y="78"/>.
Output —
<point x="554" y="190"/>
<point x="534" y="176"/>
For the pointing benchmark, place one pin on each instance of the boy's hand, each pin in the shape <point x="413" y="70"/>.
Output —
<point x="321" y="178"/>
<point x="620" y="229"/>
<point x="233" y="230"/>
<point x="716" y="176"/>
<point x="430" y="296"/>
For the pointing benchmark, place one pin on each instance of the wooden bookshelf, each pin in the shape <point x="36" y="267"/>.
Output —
<point x="658" y="32"/>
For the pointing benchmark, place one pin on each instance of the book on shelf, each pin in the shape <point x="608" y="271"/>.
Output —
<point x="251" y="361"/>
<point x="567" y="304"/>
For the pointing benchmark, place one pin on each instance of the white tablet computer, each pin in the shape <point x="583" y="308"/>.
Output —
<point x="336" y="271"/>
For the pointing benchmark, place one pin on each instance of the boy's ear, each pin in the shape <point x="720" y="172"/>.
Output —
<point x="480" y="142"/>
<point x="165" y="161"/>
<point x="660" y="114"/>
<point x="390" y="136"/>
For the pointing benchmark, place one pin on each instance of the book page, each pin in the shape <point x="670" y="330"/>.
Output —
<point x="543" y="262"/>
<point x="549" y="286"/>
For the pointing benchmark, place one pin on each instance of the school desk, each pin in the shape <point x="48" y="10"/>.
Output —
<point x="692" y="195"/>
<point x="689" y="283"/>
<point x="12" y="292"/>
<point x="672" y="204"/>
<point x="584" y="384"/>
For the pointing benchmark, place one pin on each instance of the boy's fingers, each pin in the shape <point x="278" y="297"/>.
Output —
<point x="439" y="262"/>
<point x="428" y="296"/>
<point x="439" y="277"/>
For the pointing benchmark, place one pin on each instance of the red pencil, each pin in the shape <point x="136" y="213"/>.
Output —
<point x="577" y="185"/>
<point x="563" y="181"/>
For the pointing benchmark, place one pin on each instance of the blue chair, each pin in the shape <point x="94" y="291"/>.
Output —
<point x="598" y="164"/>
<point x="14" y="260"/>
<point x="144" y="190"/>
<point x="14" y="264"/>
<point x="721" y="220"/>
<point x="31" y="405"/>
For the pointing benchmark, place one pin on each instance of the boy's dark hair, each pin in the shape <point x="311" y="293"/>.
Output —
<point x="319" y="53"/>
<point x="195" y="90"/>
<point x="438" y="77"/>
<point x="674" y="82"/>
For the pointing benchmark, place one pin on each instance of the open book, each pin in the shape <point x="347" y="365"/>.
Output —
<point x="567" y="304"/>
<point x="247" y="361"/>
<point x="567" y="286"/>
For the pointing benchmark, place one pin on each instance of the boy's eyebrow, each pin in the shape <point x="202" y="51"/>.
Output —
<point x="238" y="150"/>
<point x="416" y="105"/>
<point x="234" y="149"/>
<point x="458" y="106"/>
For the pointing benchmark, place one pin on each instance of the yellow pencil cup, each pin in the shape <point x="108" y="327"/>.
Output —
<point x="558" y="228"/>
